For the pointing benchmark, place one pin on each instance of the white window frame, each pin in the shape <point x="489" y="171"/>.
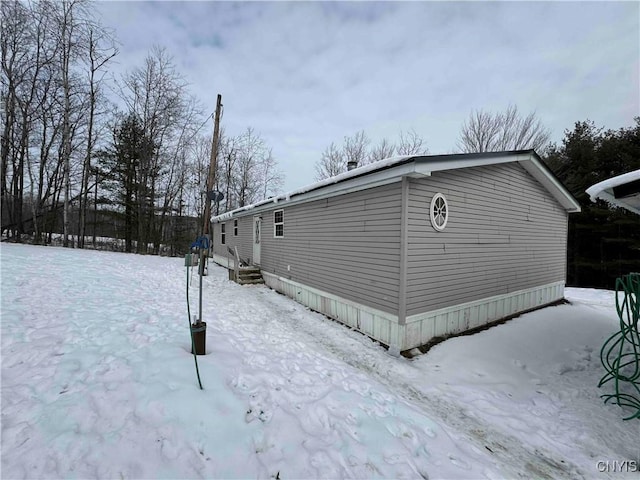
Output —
<point x="223" y="234"/>
<point x="439" y="212"/>
<point x="275" y="224"/>
<point x="235" y="227"/>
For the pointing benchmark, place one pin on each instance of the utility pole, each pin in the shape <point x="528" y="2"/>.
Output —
<point x="199" y="328"/>
<point x="213" y="165"/>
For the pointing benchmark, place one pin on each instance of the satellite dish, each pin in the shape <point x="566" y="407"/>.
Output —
<point x="215" y="196"/>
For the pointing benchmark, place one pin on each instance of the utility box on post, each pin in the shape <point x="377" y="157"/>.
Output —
<point x="191" y="260"/>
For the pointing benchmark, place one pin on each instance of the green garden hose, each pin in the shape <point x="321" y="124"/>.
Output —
<point x="620" y="354"/>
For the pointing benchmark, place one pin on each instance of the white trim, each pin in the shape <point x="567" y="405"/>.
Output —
<point x="256" y="239"/>
<point x="392" y="170"/>
<point x="376" y="179"/>
<point x="275" y="224"/>
<point x="458" y="161"/>
<point x="551" y="183"/>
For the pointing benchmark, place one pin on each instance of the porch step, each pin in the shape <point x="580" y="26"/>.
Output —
<point x="249" y="276"/>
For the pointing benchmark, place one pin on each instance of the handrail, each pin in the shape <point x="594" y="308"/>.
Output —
<point x="237" y="265"/>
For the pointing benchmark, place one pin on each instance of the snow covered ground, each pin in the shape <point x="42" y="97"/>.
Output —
<point x="98" y="382"/>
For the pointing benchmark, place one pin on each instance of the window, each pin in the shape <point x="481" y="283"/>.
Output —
<point x="235" y="227"/>
<point x="223" y="233"/>
<point x="278" y="223"/>
<point x="439" y="212"/>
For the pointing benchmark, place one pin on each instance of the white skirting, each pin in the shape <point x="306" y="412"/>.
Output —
<point x="423" y="327"/>
<point x="224" y="261"/>
<point x="379" y="325"/>
<point x="420" y="328"/>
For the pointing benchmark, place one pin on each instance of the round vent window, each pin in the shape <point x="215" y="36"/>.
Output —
<point x="439" y="212"/>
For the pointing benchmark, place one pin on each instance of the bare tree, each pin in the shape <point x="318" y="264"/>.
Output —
<point x="28" y="57"/>
<point x="331" y="163"/>
<point x="67" y="26"/>
<point x="411" y="144"/>
<point x="228" y="154"/>
<point x="48" y="112"/>
<point x="197" y="174"/>
<point x="252" y="154"/>
<point x="15" y="43"/>
<point x="272" y="178"/>
<point x="100" y="49"/>
<point x="335" y="160"/>
<point x="158" y="95"/>
<point x="384" y="149"/>
<point x="487" y="132"/>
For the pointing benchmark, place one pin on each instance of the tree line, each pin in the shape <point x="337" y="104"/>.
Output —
<point x="74" y="150"/>
<point x="78" y="160"/>
<point x="604" y="241"/>
<point x="482" y="131"/>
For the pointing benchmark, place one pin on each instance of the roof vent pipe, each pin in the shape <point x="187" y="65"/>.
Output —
<point x="351" y="164"/>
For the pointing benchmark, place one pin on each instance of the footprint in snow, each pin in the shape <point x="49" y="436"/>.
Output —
<point x="260" y="414"/>
<point x="519" y="364"/>
<point x="458" y="462"/>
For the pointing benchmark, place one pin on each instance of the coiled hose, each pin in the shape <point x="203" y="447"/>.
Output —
<point x="620" y="354"/>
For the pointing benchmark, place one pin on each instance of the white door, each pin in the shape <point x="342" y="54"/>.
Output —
<point x="257" y="232"/>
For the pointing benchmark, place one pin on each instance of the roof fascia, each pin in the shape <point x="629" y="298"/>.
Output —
<point x="533" y="164"/>
<point x="371" y="180"/>
<point x="440" y="164"/>
<point x="417" y="167"/>
<point x="528" y="159"/>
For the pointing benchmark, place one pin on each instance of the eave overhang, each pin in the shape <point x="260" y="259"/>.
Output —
<point x="393" y="169"/>
<point x="622" y="191"/>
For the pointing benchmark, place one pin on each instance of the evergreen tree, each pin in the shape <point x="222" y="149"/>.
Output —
<point x="604" y="241"/>
<point x="123" y="165"/>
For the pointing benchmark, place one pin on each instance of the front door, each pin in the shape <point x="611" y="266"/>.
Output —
<point x="257" y="232"/>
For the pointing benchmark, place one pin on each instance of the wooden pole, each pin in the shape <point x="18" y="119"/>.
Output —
<point x="206" y="220"/>
<point x="213" y="165"/>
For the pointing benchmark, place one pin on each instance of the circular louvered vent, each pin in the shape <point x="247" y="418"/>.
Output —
<point x="439" y="212"/>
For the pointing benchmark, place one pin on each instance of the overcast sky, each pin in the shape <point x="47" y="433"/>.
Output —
<point x="307" y="74"/>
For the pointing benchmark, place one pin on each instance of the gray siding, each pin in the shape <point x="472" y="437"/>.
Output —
<point x="244" y="239"/>
<point x="348" y="245"/>
<point x="505" y="233"/>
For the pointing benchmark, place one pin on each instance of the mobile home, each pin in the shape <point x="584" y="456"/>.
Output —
<point x="415" y="247"/>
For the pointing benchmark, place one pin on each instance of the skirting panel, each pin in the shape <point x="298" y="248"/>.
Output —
<point x="227" y="262"/>
<point x="379" y="325"/>
<point x="419" y="328"/>
<point x="422" y="327"/>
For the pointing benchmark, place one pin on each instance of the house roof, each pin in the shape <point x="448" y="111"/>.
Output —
<point x="622" y="191"/>
<point x="392" y="169"/>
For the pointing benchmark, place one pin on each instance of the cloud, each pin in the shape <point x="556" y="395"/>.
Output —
<point x="304" y="74"/>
